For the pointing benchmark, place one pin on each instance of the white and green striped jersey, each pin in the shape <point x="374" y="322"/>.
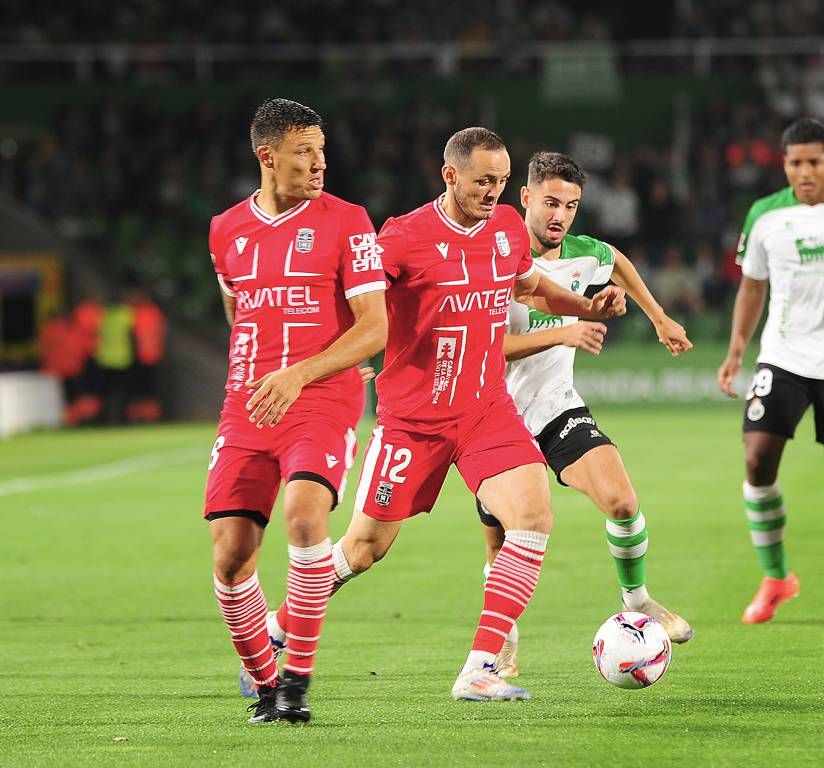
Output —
<point x="541" y="385"/>
<point x="783" y="242"/>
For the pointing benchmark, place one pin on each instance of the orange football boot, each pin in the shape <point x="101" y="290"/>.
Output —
<point x="770" y="595"/>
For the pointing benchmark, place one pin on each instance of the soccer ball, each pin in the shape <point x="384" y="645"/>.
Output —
<point x="631" y="650"/>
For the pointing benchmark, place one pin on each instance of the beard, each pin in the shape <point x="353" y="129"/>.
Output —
<point x="545" y="241"/>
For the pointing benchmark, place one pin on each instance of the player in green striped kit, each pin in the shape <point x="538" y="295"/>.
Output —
<point x="541" y="351"/>
<point x="782" y="244"/>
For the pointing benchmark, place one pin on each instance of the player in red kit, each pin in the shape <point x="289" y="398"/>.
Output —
<point x="454" y="265"/>
<point x="303" y="288"/>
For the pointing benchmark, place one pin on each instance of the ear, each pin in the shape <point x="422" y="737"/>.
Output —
<point x="524" y="197"/>
<point x="265" y="156"/>
<point x="450" y="174"/>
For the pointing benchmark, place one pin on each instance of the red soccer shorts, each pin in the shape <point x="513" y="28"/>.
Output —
<point x="246" y="468"/>
<point x="404" y="469"/>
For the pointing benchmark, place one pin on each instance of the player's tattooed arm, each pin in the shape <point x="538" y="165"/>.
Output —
<point x="581" y="335"/>
<point x="276" y="391"/>
<point x="670" y="333"/>
<point x="749" y="306"/>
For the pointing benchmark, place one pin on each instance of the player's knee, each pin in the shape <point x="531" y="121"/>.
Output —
<point x="621" y="506"/>
<point x="305" y="526"/>
<point x="536" y="518"/>
<point x="762" y="468"/>
<point x="233" y="567"/>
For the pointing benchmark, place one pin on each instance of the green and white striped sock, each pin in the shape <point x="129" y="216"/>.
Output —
<point x="627" y="542"/>
<point x="766" y="518"/>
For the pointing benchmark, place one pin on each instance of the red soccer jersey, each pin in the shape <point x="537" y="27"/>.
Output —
<point x="291" y="276"/>
<point x="447" y="307"/>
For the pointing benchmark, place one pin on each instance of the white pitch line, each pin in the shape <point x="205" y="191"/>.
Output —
<point x="100" y="472"/>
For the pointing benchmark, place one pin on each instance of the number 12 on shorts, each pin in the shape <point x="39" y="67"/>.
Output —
<point x="401" y="458"/>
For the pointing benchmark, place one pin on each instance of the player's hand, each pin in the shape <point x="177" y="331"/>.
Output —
<point x="673" y="336"/>
<point x="367" y="373"/>
<point x="727" y="373"/>
<point x="273" y="395"/>
<point x="609" y="302"/>
<point x="585" y="335"/>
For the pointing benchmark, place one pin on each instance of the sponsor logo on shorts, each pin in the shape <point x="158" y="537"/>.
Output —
<point x="331" y="460"/>
<point x="304" y="240"/>
<point x="383" y="495"/>
<point x="575" y="422"/>
<point x="756" y="410"/>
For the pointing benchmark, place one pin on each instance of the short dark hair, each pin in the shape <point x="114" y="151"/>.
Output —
<point x="275" y="117"/>
<point x="461" y="144"/>
<point x="807" y="130"/>
<point x="554" y="165"/>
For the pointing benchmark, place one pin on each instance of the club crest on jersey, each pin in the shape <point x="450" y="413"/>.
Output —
<point x="304" y="240"/>
<point x="503" y="244"/>
<point x="383" y="495"/>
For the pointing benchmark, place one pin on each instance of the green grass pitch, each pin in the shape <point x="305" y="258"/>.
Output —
<point x="112" y="652"/>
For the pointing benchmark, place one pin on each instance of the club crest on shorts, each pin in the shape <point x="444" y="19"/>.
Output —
<point x="304" y="240"/>
<point x="503" y="244"/>
<point x="756" y="409"/>
<point x="383" y="495"/>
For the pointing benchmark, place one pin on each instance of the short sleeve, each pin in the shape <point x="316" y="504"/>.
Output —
<point x="392" y="240"/>
<point x="361" y="262"/>
<point x="751" y="254"/>
<point x="217" y="251"/>
<point x="525" y="262"/>
<point x="606" y="263"/>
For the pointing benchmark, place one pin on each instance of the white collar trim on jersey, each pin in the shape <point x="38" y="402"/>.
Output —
<point x="452" y="224"/>
<point x="275" y="221"/>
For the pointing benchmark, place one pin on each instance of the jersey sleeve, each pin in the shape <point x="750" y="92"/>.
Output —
<point x="605" y="255"/>
<point x="392" y="240"/>
<point x="525" y="263"/>
<point x="362" y="265"/>
<point x="217" y="251"/>
<point x="751" y="255"/>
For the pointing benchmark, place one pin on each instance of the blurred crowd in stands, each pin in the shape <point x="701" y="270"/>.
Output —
<point x="395" y="21"/>
<point x="107" y="356"/>
<point x="136" y="181"/>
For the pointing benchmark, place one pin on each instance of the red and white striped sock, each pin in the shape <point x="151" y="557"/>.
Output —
<point x="309" y="586"/>
<point x="278" y="619"/>
<point x="508" y="589"/>
<point x="243" y="607"/>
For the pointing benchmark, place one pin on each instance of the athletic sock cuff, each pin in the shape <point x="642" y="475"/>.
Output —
<point x="242" y="586"/>
<point x="761" y="492"/>
<point x="340" y="563"/>
<point x="623" y="530"/>
<point x="629" y="521"/>
<point x="528" y="539"/>
<point x="306" y="555"/>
